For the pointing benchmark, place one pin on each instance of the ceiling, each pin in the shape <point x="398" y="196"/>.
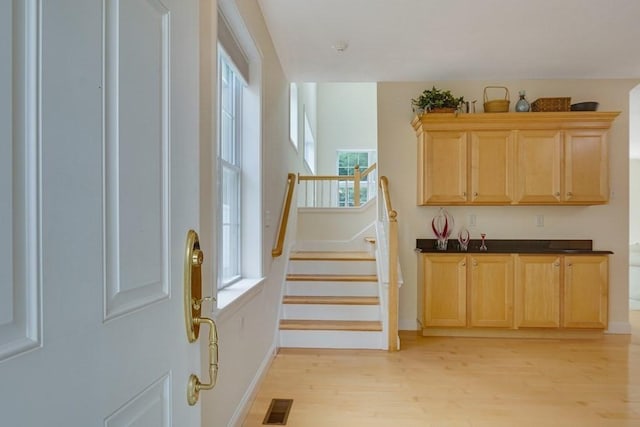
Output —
<point x="418" y="40"/>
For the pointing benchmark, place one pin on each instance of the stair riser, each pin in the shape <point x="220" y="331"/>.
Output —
<point x="332" y="339"/>
<point x="330" y="312"/>
<point x="332" y="267"/>
<point x="363" y="289"/>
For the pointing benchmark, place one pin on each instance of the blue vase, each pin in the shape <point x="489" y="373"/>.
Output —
<point x="522" y="106"/>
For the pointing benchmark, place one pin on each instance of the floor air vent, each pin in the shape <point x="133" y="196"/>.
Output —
<point x="278" y="412"/>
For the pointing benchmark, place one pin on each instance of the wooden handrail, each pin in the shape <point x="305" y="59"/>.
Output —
<point x="384" y="185"/>
<point x="284" y="217"/>
<point x="392" y="236"/>
<point x="356" y="178"/>
<point x="368" y="170"/>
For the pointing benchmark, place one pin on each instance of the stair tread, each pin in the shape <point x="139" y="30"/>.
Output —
<point x="333" y="277"/>
<point x="332" y="256"/>
<point x="336" y="300"/>
<point x="331" y="325"/>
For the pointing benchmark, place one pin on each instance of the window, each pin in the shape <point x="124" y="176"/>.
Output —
<point x="230" y="171"/>
<point x="309" y="145"/>
<point x="293" y="114"/>
<point x="347" y="160"/>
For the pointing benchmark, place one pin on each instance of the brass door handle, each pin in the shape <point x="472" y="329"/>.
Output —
<point x="193" y="299"/>
<point x="195" y="385"/>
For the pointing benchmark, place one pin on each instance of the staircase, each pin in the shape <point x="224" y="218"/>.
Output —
<point x="331" y="300"/>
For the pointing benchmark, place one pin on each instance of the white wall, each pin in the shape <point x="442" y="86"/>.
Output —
<point x="634" y="200"/>
<point x="607" y="226"/>
<point x="634" y="165"/>
<point x="247" y="330"/>
<point x="308" y="106"/>
<point x="347" y="117"/>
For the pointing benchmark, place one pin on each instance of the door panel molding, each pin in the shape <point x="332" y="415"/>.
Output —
<point x="136" y="171"/>
<point x="20" y="183"/>
<point x="150" y="407"/>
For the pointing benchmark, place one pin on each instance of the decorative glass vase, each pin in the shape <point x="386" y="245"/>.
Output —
<point x="442" y="226"/>
<point x="522" y="106"/>
<point x="463" y="239"/>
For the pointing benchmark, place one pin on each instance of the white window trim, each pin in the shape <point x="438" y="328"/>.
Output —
<point x="293" y="115"/>
<point x="309" y="148"/>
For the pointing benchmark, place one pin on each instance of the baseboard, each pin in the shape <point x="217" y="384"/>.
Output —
<point x="622" y="328"/>
<point x="247" y="399"/>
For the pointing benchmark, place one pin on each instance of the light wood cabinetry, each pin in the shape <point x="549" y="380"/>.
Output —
<point x="537" y="291"/>
<point x="586" y="288"/>
<point x="444" y="281"/>
<point x="491" y="291"/>
<point x="513" y="158"/>
<point x="586" y="166"/>
<point x="491" y="167"/>
<point x="539" y="157"/>
<point x="513" y="292"/>
<point x="562" y="167"/>
<point x="466" y="167"/>
<point x="461" y="290"/>
<point x="444" y="177"/>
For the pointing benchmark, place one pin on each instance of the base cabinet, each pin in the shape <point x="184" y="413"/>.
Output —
<point x="586" y="289"/>
<point x="444" y="282"/>
<point x="491" y="289"/>
<point x="537" y="291"/>
<point x="513" y="292"/>
<point x="467" y="290"/>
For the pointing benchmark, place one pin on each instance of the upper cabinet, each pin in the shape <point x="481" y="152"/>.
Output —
<point x="513" y="158"/>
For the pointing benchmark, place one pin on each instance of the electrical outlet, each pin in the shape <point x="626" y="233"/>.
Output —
<point x="472" y="220"/>
<point x="540" y="220"/>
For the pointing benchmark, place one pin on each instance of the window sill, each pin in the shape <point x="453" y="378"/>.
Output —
<point x="232" y="298"/>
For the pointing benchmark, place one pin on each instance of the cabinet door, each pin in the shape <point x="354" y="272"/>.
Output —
<point x="586" y="173"/>
<point x="491" y="289"/>
<point x="444" y="173"/>
<point x="537" y="291"/>
<point x="492" y="162"/>
<point x="539" y="166"/>
<point x="586" y="288"/>
<point x="445" y="290"/>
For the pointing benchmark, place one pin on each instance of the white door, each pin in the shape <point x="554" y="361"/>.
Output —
<point x="98" y="188"/>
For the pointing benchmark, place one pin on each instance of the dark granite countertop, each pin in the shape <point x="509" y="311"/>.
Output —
<point x="516" y="246"/>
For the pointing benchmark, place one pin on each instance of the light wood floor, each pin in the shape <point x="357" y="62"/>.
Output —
<point x="461" y="382"/>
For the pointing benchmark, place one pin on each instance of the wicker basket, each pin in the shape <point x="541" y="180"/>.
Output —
<point x="551" y="104"/>
<point x="496" y="105"/>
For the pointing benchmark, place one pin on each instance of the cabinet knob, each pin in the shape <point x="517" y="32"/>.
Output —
<point x="556" y="264"/>
<point x="569" y="193"/>
<point x="464" y="193"/>
<point x="557" y="194"/>
<point x="475" y="194"/>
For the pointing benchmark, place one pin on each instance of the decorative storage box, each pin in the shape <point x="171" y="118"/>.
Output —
<point x="551" y="104"/>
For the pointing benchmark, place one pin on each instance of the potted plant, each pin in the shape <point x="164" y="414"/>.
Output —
<point x="436" y="100"/>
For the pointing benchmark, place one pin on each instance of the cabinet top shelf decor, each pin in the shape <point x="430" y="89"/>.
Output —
<point x="518" y="121"/>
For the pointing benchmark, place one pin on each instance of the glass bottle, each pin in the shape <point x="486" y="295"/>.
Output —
<point x="522" y="106"/>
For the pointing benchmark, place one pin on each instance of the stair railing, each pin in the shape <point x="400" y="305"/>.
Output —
<point x="284" y="217"/>
<point x="390" y="217"/>
<point x="324" y="191"/>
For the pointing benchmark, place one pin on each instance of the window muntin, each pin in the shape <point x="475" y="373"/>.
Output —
<point x="230" y="172"/>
